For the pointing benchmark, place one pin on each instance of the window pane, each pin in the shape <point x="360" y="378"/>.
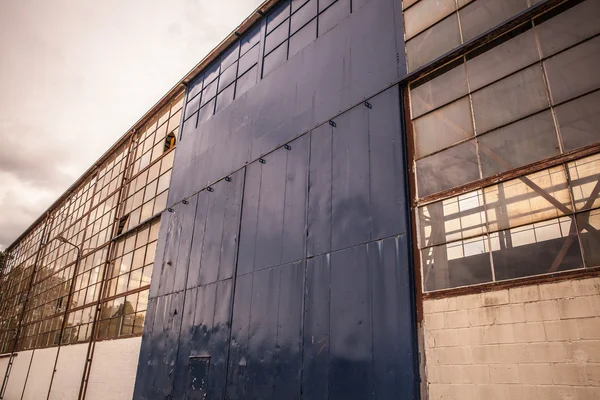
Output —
<point x="228" y="76"/>
<point x="443" y="127"/>
<point x="435" y="41"/>
<point x="303" y="38"/>
<point x="333" y="15"/>
<point x="574" y="72"/>
<point x="250" y="39"/>
<point x="520" y="143"/>
<point x="532" y="198"/>
<point x="447" y="169"/>
<point x="462" y="263"/>
<point x="482" y="15"/>
<point x="584" y="175"/>
<point x="275" y="59"/>
<point x="248" y="60"/>
<point x="579" y="121"/>
<point x="209" y="92"/>
<point x="589" y="230"/>
<point x="230" y="55"/>
<point x="305" y="14"/>
<point x="225" y="97"/>
<point x="276" y="37"/>
<point x="540" y="248"/>
<point x="569" y="27"/>
<point x="192" y="106"/>
<point x="278" y="15"/>
<point x="503" y="60"/>
<point x="514" y="97"/>
<point x="452" y="219"/>
<point x="438" y="91"/>
<point x="424" y="14"/>
<point x="206" y="111"/>
<point x="246" y="81"/>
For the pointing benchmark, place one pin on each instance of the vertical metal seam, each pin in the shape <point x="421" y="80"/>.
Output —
<point x="233" y="285"/>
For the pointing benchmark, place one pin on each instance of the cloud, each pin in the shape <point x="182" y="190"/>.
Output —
<point x="76" y="75"/>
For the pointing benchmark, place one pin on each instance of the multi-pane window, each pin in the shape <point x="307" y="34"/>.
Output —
<point x="228" y="77"/>
<point x="524" y="98"/>
<point x="128" y="279"/>
<point x="295" y="24"/>
<point x="434" y="27"/>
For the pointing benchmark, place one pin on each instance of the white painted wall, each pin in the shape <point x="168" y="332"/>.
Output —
<point x="69" y="370"/>
<point x="3" y="365"/>
<point x="534" y="342"/>
<point x="18" y="374"/>
<point x="113" y="369"/>
<point x="40" y="373"/>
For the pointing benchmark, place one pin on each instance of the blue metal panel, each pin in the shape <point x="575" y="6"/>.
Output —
<point x="291" y="278"/>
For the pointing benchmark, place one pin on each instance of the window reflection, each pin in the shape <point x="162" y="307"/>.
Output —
<point x="589" y="229"/>
<point x="585" y="182"/>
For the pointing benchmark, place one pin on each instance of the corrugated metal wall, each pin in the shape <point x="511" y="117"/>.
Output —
<point x="291" y="277"/>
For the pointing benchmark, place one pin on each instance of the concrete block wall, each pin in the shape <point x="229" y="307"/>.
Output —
<point x="113" y="369"/>
<point x="531" y="342"/>
<point x="18" y="375"/>
<point x="69" y="369"/>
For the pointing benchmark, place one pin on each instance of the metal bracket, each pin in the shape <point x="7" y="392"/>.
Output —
<point x="184" y="201"/>
<point x="287" y="147"/>
<point x="368" y="105"/>
<point x="332" y="124"/>
<point x="262" y="161"/>
<point x="170" y="210"/>
<point x="210" y="189"/>
<point x="227" y="179"/>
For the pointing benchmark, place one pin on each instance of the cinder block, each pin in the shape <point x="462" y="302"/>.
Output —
<point x="498" y="334"/>
<point x="439" y="391"/>
<point x="469" y="301"/>
<point x="434" y="321"/>
<point x="456" y="319"/>
<point x="486" y="354"/>
<point x="504" y="373"/>
<point x="436" y="356"/>
<point x="551" y="392"/>
<point x="536" y="374"/>
<point x="464" y="392"/>
<point x="445" y="304"/>
<point x="522" y="392"/>
<point x="541" y="311"/>
<point x="472" y="336"/>
<point x="524" y="294"/>
<point x="476" y="374"/>
<point x="450" y="374"/>
<point x="564" y="330"/>
<point x="515" y="353"/>
<point x="583" y="352"/>
<point x="510" y="314"/>
<point x="589" y="328"/>
<point x="558" y="290"/>
<point x="482" y="316"/>
<point x="428" y="306"/>
<point x="584" y="287"/>
<point x="493" y="392"/>
<point x="580" y="307"/>
<point x="495" y="298"/>
<point x="445" y="338"/>
<point x="550" y="352"/>
<point x="459" y="355"/>
<point x="593" y="374"/>
<point x="433" y="373"/>
<point x="529" y="332"/>
<point x="569" y="374"/>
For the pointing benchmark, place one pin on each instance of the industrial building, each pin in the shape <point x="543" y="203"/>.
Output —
<point x="346" y="199"/>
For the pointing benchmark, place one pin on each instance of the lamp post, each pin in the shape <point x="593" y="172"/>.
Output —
<point x="69" y="297"/>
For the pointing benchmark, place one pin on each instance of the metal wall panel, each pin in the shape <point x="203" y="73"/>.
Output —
<point x="298" y="282"/>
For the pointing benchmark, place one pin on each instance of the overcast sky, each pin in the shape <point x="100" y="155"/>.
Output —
<point x="76" y="74"/>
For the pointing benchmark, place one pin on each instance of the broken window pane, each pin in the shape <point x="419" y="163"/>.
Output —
<point x="540" y="248"/>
